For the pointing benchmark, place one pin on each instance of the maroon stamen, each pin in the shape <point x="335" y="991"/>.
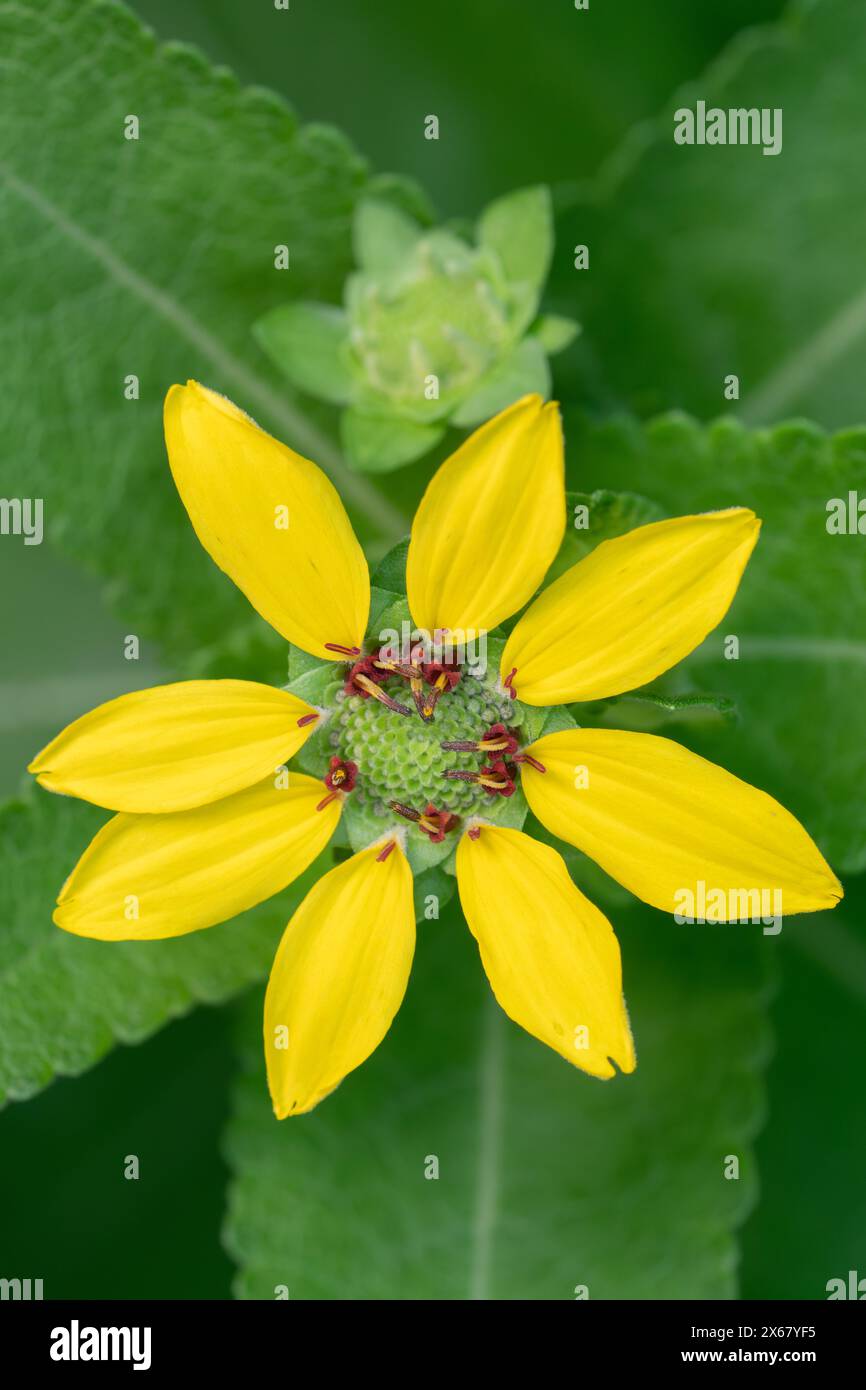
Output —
<point x="533" y="762"/>
<point x="343" y="651"/>
<point x="407" y="669"/>
<point x="380" y="858"/>
<point x="436" y="824"/>
<point x="496" y="740"/>
<point x="444" y="674"/>
<point x="508" y="682"/>
<point x="474" y="832"/>
<point x="342" y="774"/>
<point x="306" y="719"/>
<point x="364" y="667"/>
<point x="369" y="688"/>
<point x="440" y="676"/>
<point x="424" y="707"/>
<point x="496" y="778"/>
<point x="339" y="779"/>
<point x="364" y="679"/>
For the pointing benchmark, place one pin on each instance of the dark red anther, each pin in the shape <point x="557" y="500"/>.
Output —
<point x="497" y="778"/>
<point x="364" y="667"/>
<point x="508" y="682"/>
<point x="435" y="824"/>
<point x="365" y="678"/>
<point x="306" y="719"/>
<point x="474" y="832"/>
<point x="409" y="670"/>
<point x="386" y="665"/>
<point x="496" y="740"/>
<point x="533" y="762"/>
<point x="341" y="777"/>
<point x="383" y="855"/>
<point x="342" y="651"/>
<point x="440" y="676"/>
<point x="342" y="774"/>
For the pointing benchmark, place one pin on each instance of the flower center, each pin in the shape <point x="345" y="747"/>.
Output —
<point x="403" y="759"/>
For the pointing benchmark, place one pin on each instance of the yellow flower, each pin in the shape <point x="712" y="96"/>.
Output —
<point x="208" y="824"/>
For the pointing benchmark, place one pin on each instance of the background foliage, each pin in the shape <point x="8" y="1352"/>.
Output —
<point x="156" y="257"/>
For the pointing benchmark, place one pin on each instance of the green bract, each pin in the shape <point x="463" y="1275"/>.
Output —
<point x="435" y="330"/>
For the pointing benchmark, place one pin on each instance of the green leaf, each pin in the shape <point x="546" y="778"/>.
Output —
<point x="306" y="341"/>
<point x="522" y="372"/>
<point x="381" y="443"/>
<point x="651" y="710"/>
<point x="519" y="228"/>
<point x="433" y="890"/>
<point x="382" y="236"/>
<point x="709" y="261"/>
<point x="382" y="602"/>
<point x="555" y="332"/>
<point x="390" y="573"/>
<point x="548" y="1179"/>
<point x="405" y="194"/>
<point x="65" y="1001"/>
<point x="162" y="253"/>
<point x="301" y="662"/>
<point x="799" y="682"/>
<point x="823" y="980"/>
<point x="595" y="517"/>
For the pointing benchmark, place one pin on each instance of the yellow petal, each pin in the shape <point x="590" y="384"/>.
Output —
<point x="270" y="518"/>
<point x="550" y="955"/>
<point x="147" y="877"/>
<point x="175" y="746"/>
<point x="664" y="821"/>
<point x="490" y="522"/>
<point x="338" y="978"/>
<point x="632" y="609"/>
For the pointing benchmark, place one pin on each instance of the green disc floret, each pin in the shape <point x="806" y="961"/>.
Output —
<point x="402" y="758"/>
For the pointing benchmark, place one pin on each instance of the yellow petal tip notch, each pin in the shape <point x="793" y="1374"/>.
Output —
<point x="676" y="830"/>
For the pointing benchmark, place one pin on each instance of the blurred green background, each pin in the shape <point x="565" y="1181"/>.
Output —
<point x="528" y="93"/>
